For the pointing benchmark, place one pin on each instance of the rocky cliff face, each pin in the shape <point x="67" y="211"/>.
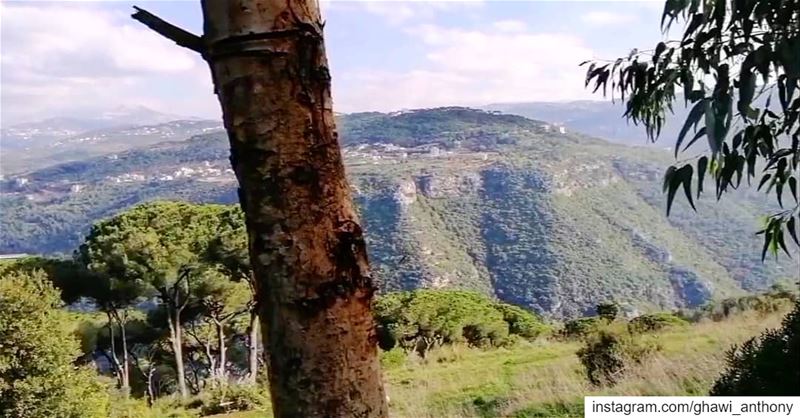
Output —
<point x="512" y="232"/>
<point x="557" y="237"/>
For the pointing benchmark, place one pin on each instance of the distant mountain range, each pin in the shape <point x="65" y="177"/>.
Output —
<point x="456" y="198"/>
<point x="33" y="145"/>
<point x="601" y="119"/>
<point x="39" y="144"/>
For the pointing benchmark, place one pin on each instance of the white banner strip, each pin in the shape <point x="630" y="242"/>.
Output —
<point x="691" y="406"/>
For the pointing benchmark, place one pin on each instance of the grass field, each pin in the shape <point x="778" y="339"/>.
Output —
<point x="545" y="379"/>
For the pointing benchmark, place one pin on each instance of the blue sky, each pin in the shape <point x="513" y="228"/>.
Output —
<point x="78" y="58"/>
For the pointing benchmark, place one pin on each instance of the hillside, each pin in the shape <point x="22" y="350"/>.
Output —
<point x="545" y="379"/>
<point x="38" y="144"/>
<point x="456" y="197"/>
<point x="602" y="119"/>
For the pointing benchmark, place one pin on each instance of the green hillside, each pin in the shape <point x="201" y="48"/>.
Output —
<point x="544" y="379"/>
<point x="460" y="198"/>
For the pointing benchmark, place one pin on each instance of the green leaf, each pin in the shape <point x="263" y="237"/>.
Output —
<point x="790" y="226"/>
<point x="764" y="180"/>
<point x="737" y="140"/>
<point x="691" y="120"/>
<point x="711" y="125"/>
<point x="589" y="74"/>
<point x="747" y="88"/>
<point x="793" y="187"/>
<point x="782" y="92"/>
<point x="671" y="184"/>
<point x="675" y="179"/>
<point x="699" y="134"/>
<point x="687" y="79"/>
<point x="668" y="177"/>
<point x="782" y="243"/>
<point x="767" y="242"/>
<point x="695" y="23"/>
<point x="686" y="173"/>
<point x="702" y="163"/>
<point x="659" y="50"/>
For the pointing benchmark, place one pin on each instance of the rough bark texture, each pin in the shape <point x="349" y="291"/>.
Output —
<point x="313" y="281"/>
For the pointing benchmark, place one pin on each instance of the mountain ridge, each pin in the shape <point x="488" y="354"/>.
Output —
<point x="602" y="119"/>
<point x="460" y="198"/>
<point x="38" y="144"/>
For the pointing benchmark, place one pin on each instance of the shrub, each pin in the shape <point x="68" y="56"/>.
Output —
<point x="485" y="334"/>
<point x="768" y="365"/>
<point x="231" y="398"/>
<point x="489" y="406"/>
<point x="422" y="319"/>
<point x="607" y="355"/>
<point x="38" y="350"/>
<point x="174" y="407"/>
<point x="654" y="322"/>
<point x="129" y="407"/>
<point x="393" y="358"/>
<point x="522" y="322"/>
<point x="777" y="299"/>
<point x="608" y="311"/>
<point x="123" y="406"/>
<point x="581" y="327"/>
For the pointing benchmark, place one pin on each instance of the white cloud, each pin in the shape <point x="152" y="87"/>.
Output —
<point x="68" y="59"/>
<point x="474" y="67"/>
<point x="510" y="25"/>
<point x="38" y="37"/>
<point x="397" y="12"/>
<point x="604" y="18"/>
<point x="393" y="12"/>
<point x="77" y="58"/>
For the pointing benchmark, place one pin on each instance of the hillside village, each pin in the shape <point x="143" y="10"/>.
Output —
<point x="216" y="171"/>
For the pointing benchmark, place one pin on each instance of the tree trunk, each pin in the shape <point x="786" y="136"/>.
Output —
<point x="253" y="348"/>
<point x="113" y="348"/>
<point x="221" y="372"/>
<point x="126" y="383"/>
<point x="176" y="339"/>
<point x="122" y="320"/>
<point x="151" y="396"/>
<point x="312" y="275"/>
<point x="313" y="284"/>
<point x="121" y="367"/>
<point x="147" y="375"/>
<point x="212" y="363"/>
